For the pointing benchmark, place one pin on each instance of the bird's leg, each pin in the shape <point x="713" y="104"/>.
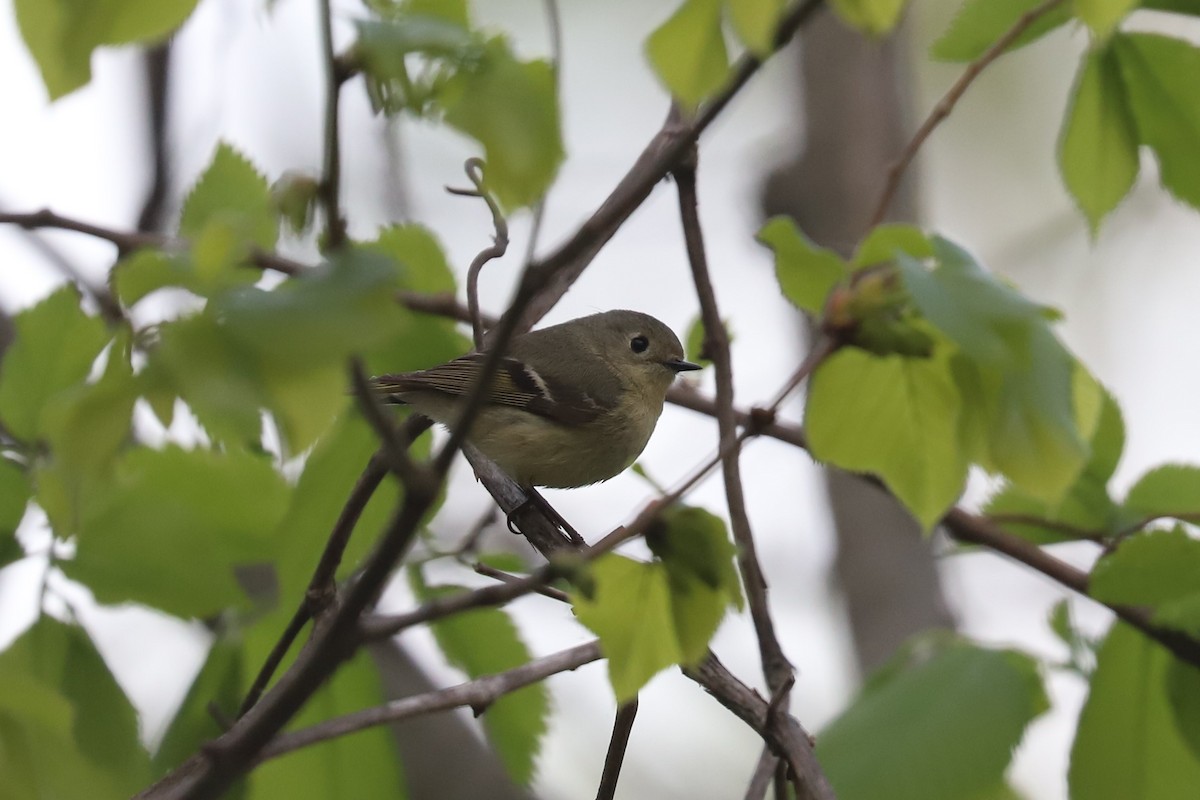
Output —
<point x="533" y="497"/>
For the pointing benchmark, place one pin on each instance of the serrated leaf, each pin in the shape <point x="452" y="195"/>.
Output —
<point x="873" y="17"/>
<point x="1161" y="75"/>
<point x="1102" y="16"/>
<point x="806" y="273"/>
<point x="1127" y="746"/>
<point x="1171" y="490"/>
<point x="894" y="417"/>
<point x="1098" y="148"/>
<point x="755" y="22"/>
<point x="483" y="642"/>
<point x="169" y="527"/>
<point x="54" y="346"/>
<point x="1015" y="377"/>
<point x="511" y="108"/>
<point x="1160" y="569"/>
<point x="688" y="53"/>
<point x="630" y="610"/>
<point x="940" y="727"/>
<point x="981" y="22"/>
<point x="61" y="35"/>
<point x="227" y="213"/>
<point x="103" y="724"/>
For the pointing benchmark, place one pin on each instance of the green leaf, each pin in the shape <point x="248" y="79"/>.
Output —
<point x="171" y="525"/>
<point x="873" y="17"/>
<point x="630" y="610"/>
<point x="1183" y="698"/>
<point x="53" y="349"/>
<point x="884" y="241"/>
<point x="806" y="273"/>
<point x="755" y="22"/>
<point x="1016" y="379"/>
<point x="421" y="256"/>
<point x="1159" y="569"/>
<point x="218" y="685"/>
<point x="1171" y="490"/>
<point x="981" y="22"/>
<point x="61" y="34"/>
<point x="688" y="53"/>
<point x="1098" y="149"/>
<point x="103" y="723"/>
<point x="147" y="271"/>
<point x="511" y="108"/>
<point x="1087" y="505"/>
<point x="894" y="417"/>
<point x="1102" y="16"/>
<point x="87" y="425"/>
<point x="693" y="543"/>
<point x="38" y="757"/>
<point x="15" y="491"/>
<point x="938" y="725"/>
<point x="1127" y="746"/>
<point x="227" y="214"/>
<point x="484" y="642"/>
<point x="1161" y="75"/>
<point x="362" y="764"/>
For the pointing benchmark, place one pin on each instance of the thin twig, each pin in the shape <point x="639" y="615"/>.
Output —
<point x="622" y="727"/>
<point x="500" y="575"/>
<point x="474" y="169"/>
<point x="394" y="448"/>
<point x="776" y="667"/>
<point x="331" y="177"/>
<point x="949" y="100"/>
<point x="321" y="590"/>
<point x="764" y="772"/>
<point x="477" y="694"/>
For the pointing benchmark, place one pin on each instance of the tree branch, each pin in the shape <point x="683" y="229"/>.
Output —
<point x="622" y="727"/>
<point x="331" y="178"/>
<point x="949" y="100"/>
<point x="474" y="169"/>
<point x="776" y="667"/>
<point x="477" y="694"/>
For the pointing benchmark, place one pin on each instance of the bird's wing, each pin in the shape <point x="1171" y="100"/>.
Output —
<point x="515" y="384"/>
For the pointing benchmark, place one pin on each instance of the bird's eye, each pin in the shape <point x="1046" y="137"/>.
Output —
<point x="638" y="344"/>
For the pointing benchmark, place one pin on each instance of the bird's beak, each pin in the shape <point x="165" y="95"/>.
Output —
<point x="679" y="365"/>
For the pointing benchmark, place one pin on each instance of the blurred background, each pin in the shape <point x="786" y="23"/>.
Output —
<point x="810" y="137"/>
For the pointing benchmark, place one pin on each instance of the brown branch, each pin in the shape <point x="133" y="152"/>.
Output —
<point x="477" y="694"/>
<point x="764" y="773"/>
<point x="949" y="100"/>
<point x="546" y="591"/>
<point x="474" y="169"/>
<point x="321" y="590"/>
<point x="329" y="189"/>
<point x="776" y="667"/>
<point x="622" y="727"/>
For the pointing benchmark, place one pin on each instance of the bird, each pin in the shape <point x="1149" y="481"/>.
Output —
<point x="569" y="405"/>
